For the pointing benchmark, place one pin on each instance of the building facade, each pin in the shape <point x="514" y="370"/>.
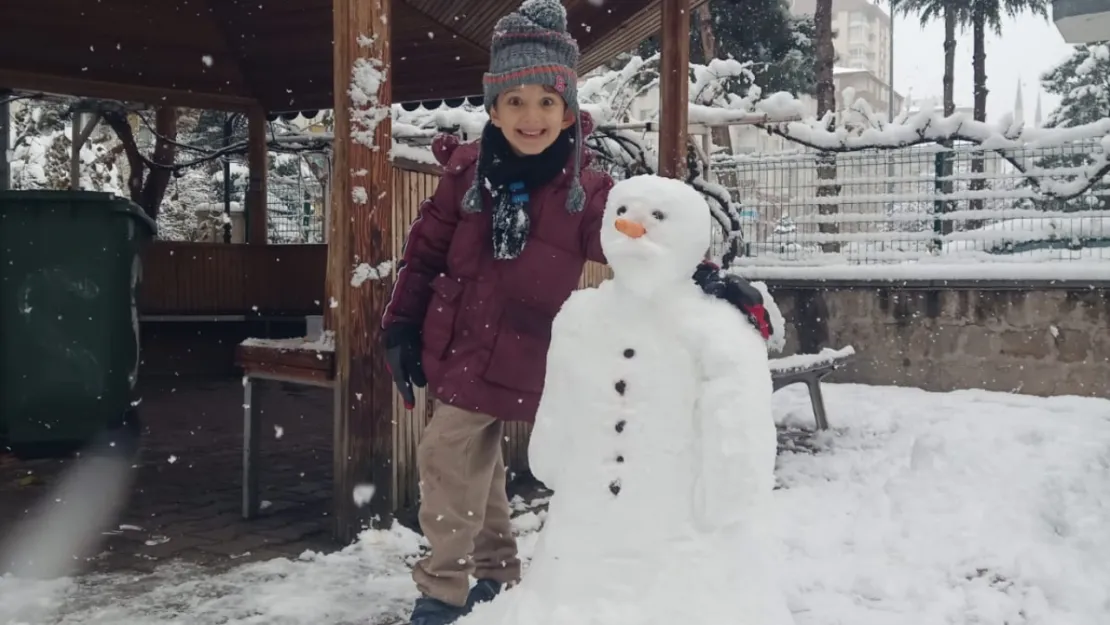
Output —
<point x="861" y="34"/>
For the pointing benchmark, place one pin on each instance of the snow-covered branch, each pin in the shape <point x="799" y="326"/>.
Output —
<point x="608" y="97"/>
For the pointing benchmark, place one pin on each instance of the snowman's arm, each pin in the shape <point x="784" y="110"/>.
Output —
<point x="737" y="431"/>
<point x="550" y="437"/>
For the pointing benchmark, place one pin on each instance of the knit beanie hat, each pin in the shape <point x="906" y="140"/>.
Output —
<point x="531" y="46"/>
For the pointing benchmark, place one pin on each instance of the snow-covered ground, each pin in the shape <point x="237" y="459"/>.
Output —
<point x="921" y="508"/>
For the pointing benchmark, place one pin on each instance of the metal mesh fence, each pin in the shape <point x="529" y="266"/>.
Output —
<point x="295" y="211"/>
<point x="911" y="203"/>
<point x="296" y="200"/>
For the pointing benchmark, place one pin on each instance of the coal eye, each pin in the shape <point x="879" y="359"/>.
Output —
<point x="622" y="210"/>
<point x="658" y="215"/>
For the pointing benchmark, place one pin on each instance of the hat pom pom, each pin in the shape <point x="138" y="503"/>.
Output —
<point x="548" y="14"/>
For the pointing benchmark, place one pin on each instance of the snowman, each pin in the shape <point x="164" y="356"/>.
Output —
<point x="655" y="432"/>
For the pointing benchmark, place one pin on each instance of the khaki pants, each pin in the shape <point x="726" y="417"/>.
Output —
<point x="464" y="511"/>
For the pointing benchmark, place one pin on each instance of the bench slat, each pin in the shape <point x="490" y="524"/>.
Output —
<point x="827" y="357"/>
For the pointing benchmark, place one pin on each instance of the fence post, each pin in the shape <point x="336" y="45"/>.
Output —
<point x="827" y="187"/>
<point x="942" y="184"/>
<point x="938" y="203"/>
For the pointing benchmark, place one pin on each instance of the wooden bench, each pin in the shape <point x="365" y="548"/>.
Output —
<point x="810" y="369"/>
<point x="298" y="361"/>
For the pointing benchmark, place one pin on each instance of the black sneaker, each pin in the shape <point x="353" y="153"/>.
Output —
<point x="429" y="611"/>
<point x="484" y="590"/>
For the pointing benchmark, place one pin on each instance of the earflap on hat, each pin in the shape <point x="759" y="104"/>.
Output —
<point x="576" y="196"/>
<point x="472" y="199"/>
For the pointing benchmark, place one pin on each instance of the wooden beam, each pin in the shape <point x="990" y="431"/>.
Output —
<point x="408" y="164"/>
<point x="218" y="15"/>
<point x="258" y="160"/>
<point x="62" y="85"/>
<point x="362" y="205"/>
<point x="612" y="39"/>
<point x="674" y="87"/>
<point x="433" y="22"/>
<point x="74" y="152"/>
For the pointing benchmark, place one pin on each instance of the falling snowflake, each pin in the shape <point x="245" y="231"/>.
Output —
<point x="363" y="493"/>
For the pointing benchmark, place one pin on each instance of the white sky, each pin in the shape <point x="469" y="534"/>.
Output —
<point x="1028" y="47"/>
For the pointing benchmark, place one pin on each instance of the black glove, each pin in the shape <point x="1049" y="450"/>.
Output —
<point x="402" y="358"/>
<point x="736" y="291"/>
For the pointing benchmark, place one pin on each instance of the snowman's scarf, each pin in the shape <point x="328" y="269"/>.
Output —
<point x="512" y="181"/>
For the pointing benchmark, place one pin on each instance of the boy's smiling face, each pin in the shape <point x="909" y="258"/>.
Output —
<point x="531" y="117"/>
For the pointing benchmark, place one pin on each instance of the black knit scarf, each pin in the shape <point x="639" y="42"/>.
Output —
<point x="512" y="180"/>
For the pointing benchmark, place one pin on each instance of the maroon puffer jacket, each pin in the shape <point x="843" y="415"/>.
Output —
<point x="486" y="322"/>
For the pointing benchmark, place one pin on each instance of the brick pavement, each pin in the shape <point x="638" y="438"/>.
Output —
<point x="185" y="501"/>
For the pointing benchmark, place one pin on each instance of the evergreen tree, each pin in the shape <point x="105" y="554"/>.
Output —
<point x="1083" y="83"/>
<point x="780" y="46"/>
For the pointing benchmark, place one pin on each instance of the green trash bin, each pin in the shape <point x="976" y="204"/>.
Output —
<point x="69" y="333"/>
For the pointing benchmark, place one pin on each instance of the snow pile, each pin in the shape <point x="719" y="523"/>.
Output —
<point x="1074" y="228"/>
<point x="363" y="583"/>
<point x="966" y="507"/>
<point x="918" y="509"/>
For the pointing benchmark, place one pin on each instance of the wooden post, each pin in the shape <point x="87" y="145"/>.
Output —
<point x="259" y="164"/>
<point x="674" y="88"/>
<point x="75" y="151"/>
<point x="5" y="138"/>
<point x="361" y="233"/>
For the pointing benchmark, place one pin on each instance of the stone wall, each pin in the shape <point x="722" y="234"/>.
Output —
<point x="1044" y="341"/>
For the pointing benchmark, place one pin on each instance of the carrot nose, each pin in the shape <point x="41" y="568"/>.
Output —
<point x="630" y="228"/>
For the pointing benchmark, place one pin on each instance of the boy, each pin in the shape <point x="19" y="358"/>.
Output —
<point x="487" y="264"/>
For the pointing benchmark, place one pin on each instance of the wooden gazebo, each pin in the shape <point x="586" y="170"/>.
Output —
<point x="269" y="57"/>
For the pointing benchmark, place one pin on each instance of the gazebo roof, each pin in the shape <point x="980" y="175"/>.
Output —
<point x="233" y="54"/>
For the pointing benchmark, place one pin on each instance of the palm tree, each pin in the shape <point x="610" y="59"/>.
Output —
<point x="826" y="103"/>
<point x="981" y="14"/>
<point x="953" y="12"/>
